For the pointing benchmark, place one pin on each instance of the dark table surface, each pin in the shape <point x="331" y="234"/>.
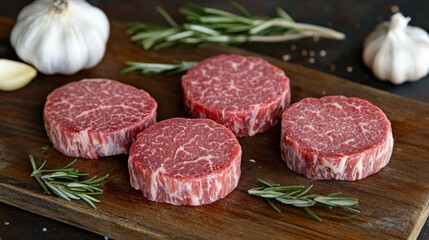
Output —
<point x="355" y="18"/>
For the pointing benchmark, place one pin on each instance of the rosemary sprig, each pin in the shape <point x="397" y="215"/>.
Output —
<point x="209" y="25"/>
<point x="155" y="68"/>
<point x="65" y="184"/>
<point x="298" y="196"/>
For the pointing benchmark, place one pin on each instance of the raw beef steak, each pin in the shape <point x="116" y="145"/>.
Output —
<point x="246" y="94"/>
<point x="185" y="162"/>
<point x="335" y="138"/>
<point x="97" y="117"/>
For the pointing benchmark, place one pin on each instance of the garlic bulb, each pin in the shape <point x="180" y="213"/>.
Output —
<point x="60" y="36"/>
<point x="397" y="52"/>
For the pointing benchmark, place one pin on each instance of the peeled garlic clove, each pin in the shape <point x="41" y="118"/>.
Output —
<point x="15" y="75"/>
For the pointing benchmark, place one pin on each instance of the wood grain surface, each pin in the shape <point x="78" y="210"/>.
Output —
<point x="393" y="203"/>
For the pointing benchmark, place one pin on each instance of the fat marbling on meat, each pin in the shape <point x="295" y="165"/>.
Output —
<point x="245" y="94"/>
<point x="97" y="117"/>
<point x="335" y="137"/>
<point x="185" y="162"/>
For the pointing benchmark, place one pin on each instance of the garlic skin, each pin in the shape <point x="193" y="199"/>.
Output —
<point x="15" y="75"/>
<point x="60" y="36"/>
<point x="397" y="52"/>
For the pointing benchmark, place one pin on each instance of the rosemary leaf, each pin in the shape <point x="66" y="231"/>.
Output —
<point x="179" y="36"/>
<point x="154" y="68"/>
<point x="144" y="35"/>
<point x="77" y="189"/>
<point x="353" y="210"/>
<point x="201" y="29"/>
<point x="164" y="45"/>
<point x="89" y="197"/>
<point x="265" y="194"/>
<point x="304" y="192"/>
<point x="76" y="185"/>
<point x="154" y="39"/>
<point x="33" y="164"/>
<point x="167" y="17"/>
<point x="267" y="183"/>
<point x="312" y="214"/>
<point x="273" y="206"/>
<point x="66" y="167"/>
<point x="44" y="149"/>
<point x="241" y="9"/>
<point x="260" y="27"/>
<point x="69" y="194"/>
<point x="54" y="175"/>
<point x="43" y="185"/>
<point x="93" y="193"/>
<point x="90" y="203"/>
<point x="337" y="201"/>
<point x="336" y="194"/>
<point x="189" y="13"/>
<point x="291" y="194"/>
<point x="297" y="202"/>
<point x="40" y="168"/>
<point x="215" y="20"/>
<point x="229" y="15"/>
<point x="281" y="13"/>
<point x="233" y="28"/>
<point x="284" y="188"/>
<point x="95" y="179"/>
<point x="57" y="191"/>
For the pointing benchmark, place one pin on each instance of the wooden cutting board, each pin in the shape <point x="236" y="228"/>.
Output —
<point x="393" y="203"/>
